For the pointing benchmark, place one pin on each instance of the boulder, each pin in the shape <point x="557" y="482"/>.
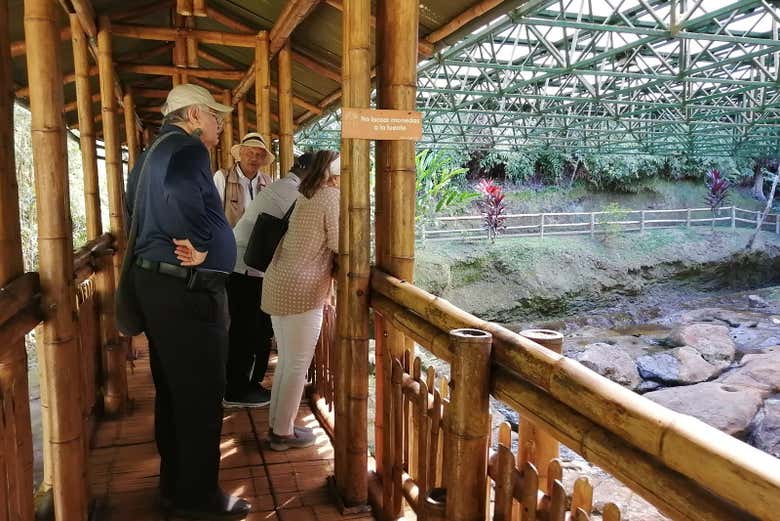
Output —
<point x="757" y="371"/>
<point x="754" y="301"/>
<point x="766" y="434"/>
<point x="726" y="407"/>
<point x="611" y="362"/>
<point x="679" y="366"/>
<point x="712" y="341"/>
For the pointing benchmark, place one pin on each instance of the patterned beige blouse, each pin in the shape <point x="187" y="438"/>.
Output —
<point x="299" y="276"/>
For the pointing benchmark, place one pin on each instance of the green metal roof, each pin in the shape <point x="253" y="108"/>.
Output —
<point x="629" y="76"/>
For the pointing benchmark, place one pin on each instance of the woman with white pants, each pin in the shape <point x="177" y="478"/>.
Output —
<point x="297" y="285"/>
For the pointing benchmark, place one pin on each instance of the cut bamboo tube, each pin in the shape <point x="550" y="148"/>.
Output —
<point x="16" y="467"/>
<point x="130" y="128"/>
<point x="504" y="484"/>
<point x="285" y="109"/>
<point x="57" y="341"/>
<point x="545" y="447"/>
<point x="116" y="353"/>
<point x="397" y="418"/>
<point x="582" y="497"/>
<point x="467" y="425"/>
<point x="421" y="406"/>
<point x="241" y="117"/>
<point x="226" y="138"/>
<point x="263" y="87"/>
<point x="354" y="266"/>
<point x="529" y="490"/>
<point x="184" y="7"/>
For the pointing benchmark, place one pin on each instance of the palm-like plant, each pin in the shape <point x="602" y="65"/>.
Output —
<point x="492" y="206"/>
<point x="437" y="187"/>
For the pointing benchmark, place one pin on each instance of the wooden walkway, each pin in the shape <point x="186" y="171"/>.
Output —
<point x="282" y="486"/>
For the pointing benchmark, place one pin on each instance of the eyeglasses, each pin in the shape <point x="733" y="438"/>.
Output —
<point x="219" y="120"/>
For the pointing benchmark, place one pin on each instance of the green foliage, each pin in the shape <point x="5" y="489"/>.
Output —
<point x="548" y="166"/>
<point x="440" y="184"/>
<point x="613" y="173"/>
<point x="518" y="166"/>
<point x="609" y="221"/>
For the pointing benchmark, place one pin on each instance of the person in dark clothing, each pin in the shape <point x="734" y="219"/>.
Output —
<point x="184" y="252"/>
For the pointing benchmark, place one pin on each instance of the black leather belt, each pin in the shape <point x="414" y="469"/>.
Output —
<point x="194" y="279"/>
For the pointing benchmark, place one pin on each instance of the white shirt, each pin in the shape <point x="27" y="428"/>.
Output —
<point x="250" y="187"/>
<point x="275" y="199"/>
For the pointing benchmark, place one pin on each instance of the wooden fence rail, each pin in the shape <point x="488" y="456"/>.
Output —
<point x="470" y="227"/>
<point x="21" y="313"/>
<point x="684" y="467"/>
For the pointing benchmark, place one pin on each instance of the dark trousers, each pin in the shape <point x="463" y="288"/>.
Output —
<point x="187" y="332"/>
<point x="250" y="335"/>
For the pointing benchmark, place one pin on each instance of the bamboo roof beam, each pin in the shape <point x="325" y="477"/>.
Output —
<point x="169" y="70"/>
<point x="19" y="47"/>
<point x="227" y="21"/>
<point x="144" y="32"/>
<point x="318" y="67"/>
<point x="462" y="19"/>
<point x="216" y="60"/>
<point x="294" y="12"/>
<point x="298" y="101"/>
<point x="140" y="56"/>
<point x="86" y="15"/>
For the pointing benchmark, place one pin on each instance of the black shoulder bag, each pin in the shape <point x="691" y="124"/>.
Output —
<point x="129" y="317"/>
<point x="266" y="235"/>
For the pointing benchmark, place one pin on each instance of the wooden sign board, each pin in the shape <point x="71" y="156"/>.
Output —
<point x="381" y="124"/>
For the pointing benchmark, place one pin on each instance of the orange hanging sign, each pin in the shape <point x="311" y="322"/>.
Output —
<point x="381" y="124"/>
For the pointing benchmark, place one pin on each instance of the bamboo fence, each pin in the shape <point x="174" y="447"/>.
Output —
<point x="595" y="223"/>
<point x="685" y="468"/>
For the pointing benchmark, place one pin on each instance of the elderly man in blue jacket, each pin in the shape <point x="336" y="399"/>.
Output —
<point x="184" y="251"/>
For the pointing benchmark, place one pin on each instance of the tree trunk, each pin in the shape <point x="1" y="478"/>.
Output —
<point x="758" y="185"/>
<point x="763" y="215"/>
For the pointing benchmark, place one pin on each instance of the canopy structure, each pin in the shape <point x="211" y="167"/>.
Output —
<point x="609" y="76"/>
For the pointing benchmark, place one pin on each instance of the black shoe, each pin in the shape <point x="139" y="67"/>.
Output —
<point x="253" y="398"/>
<point x="231" y="508"/>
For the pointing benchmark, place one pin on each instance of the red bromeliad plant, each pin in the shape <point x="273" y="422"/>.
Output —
<point x="492" y="206"/>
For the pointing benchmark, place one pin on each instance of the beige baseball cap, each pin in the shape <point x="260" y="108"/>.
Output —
<point x="188" y="94"/>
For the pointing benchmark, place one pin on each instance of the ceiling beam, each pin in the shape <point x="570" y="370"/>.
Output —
<point x="294" y="12"/>
<point x="170" y="70"/>
<point x="169" y="34"/>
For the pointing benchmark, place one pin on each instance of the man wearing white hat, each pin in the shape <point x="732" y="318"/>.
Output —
<point x="250" y="329"/>
<point x="241" y="183"/>
<point x="183" y="252"/>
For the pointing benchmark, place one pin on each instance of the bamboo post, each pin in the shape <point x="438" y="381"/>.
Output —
<point x="16" y="466"/>
<point x="642" y="221"/>
<point x="396" y="38"/>
<point x="199" y="8"/>
<point x="285" y="109"/>
<point x="241" y="117"/>
<point x="109" y="336"/>
<point x="226" y="138"/>
<point x="131" y="132"/>
<point x="116" y="352"/>
<point x="184" y="7"/>
<point x="467" y="425"/>
<point x="592" y="224"/>
<point x="545" y="447"/>
<point x="541" y="226"/>
<point x="263" y="87"/>
<point x="57" y="342"/>
<point x="353" y="277"/>
<point x="193" y="61"/>
<point x="688" y="218"/>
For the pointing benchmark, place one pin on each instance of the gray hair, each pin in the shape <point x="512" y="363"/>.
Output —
<point x="178" y="116"/>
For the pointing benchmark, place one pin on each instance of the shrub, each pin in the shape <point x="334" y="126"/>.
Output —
<point x="618" y="173"/>
<point x="493" y="207"/>
<point x="439" y="184"/>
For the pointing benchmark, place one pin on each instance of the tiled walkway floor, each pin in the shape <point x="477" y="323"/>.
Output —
<point x="282" y="486"/>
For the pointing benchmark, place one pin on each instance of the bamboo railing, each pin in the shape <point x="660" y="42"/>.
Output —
<point x="685" y="468"/>
<point x="20" y="313"/>
<point x="595" y="223"/>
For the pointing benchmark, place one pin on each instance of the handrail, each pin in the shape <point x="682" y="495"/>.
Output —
<point x="84" y="259"/>
<point x="732" y="470"/>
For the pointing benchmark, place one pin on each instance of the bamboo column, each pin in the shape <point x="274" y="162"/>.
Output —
<point x="16" y="466"/>
<point x="130" y="129"/>
<point x="397" y="28"/>
<point x="116" y="353"/>
<point x="57" y="342"/>
<point x="285" y="109"/>
<point x="544" y="447"/>
<point x="352" y="319"/>
<point x="226" y="139"/>
<point x="109" y="335"/>
<point x="263" y="87"/>
<point x="467" y="425"/>
<point x="241" y="116"/>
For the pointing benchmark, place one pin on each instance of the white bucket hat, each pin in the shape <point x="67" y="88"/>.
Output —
<point x="188" y="94"/>
<point x="253" y="139"/>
